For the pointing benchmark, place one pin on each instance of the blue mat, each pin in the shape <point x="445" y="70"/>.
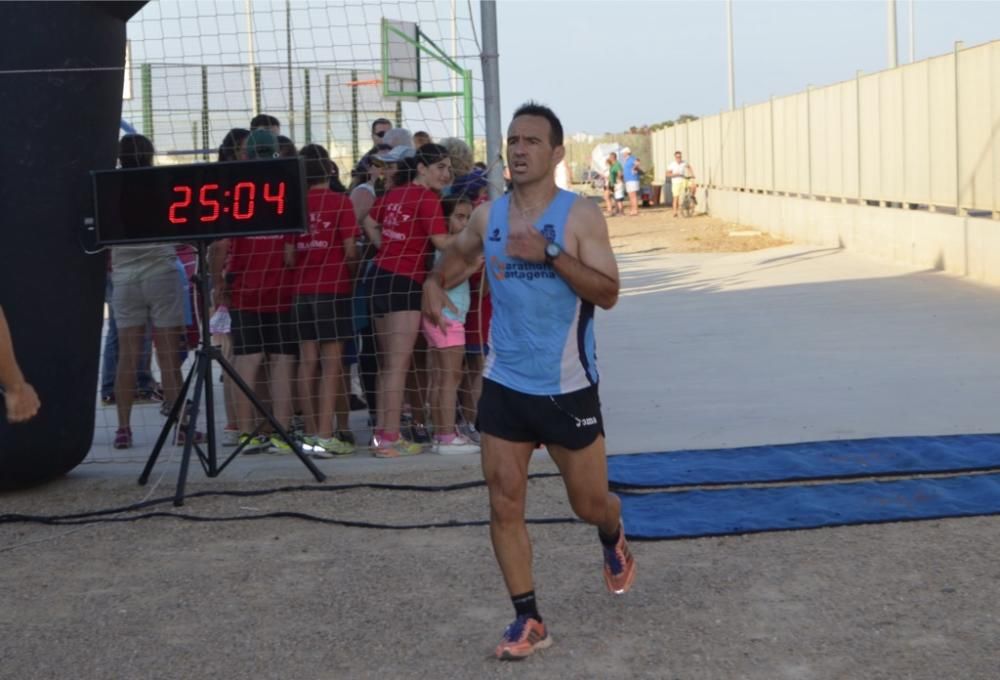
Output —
<point x="718" y="512"/>
<point x="842" y="459"/>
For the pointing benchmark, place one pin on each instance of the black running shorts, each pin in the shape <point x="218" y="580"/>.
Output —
<point x="395" y="293"/>
<point x="325" y="318"/>
<point x="572" y="421"/>
<point x="267" y="332"/>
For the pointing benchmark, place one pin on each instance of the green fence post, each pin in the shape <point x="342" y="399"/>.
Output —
<point x="147" y="100"/>
<point x="204" y="114"/>
<point x="354" y="116"/>
<point x="326" y="110"/>
<point x="307" y="104"/>
<point x="467" y="97"/>
<point x="399" y="113"/>
<point x="256" y="89"/>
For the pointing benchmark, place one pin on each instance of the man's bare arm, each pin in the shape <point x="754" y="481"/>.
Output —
<point x="21" y="399"/>
<point x="593" y="272"/>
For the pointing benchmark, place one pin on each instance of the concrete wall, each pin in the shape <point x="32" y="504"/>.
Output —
<point x="967" y="246"/>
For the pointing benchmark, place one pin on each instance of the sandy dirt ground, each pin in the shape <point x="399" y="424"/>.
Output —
<point x="286" y="597"/>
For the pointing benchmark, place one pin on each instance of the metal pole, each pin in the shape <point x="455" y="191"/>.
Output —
<point x="891" y="47"/>
<point x="491" y="93"/>
<point x="253" y="71"/>
<point x="729" y="42"/>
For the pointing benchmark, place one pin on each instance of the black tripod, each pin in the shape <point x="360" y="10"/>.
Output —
<point x="201" y="371"/>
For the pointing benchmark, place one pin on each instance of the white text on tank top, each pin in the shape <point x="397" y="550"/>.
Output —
<point x="541" y="334"/>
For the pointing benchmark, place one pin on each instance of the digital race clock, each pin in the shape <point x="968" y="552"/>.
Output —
<point x="171" y="203"/>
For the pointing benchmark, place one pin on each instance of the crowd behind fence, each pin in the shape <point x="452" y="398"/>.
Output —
<point x="924" y="134"/>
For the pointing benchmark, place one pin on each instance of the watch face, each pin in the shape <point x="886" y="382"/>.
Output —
<point x="552" y="250"/>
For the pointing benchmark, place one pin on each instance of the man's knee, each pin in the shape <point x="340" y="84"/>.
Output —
<point x="591" y="507"/>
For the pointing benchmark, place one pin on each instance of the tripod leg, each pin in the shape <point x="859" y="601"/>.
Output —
<point x="201" y="367"/>
<point x="174" y="417"/>
<point x="278" y="427"/>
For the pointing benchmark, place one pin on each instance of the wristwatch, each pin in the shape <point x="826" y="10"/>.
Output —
<point x="552" y="251"/>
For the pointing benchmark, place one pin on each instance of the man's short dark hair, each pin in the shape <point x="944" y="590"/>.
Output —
<point x="264" y="120"/>
<point x="532" y="108"/>
<point x="380" y="121"/>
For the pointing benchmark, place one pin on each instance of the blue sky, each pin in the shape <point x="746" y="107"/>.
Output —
<point x="607" y="65"/>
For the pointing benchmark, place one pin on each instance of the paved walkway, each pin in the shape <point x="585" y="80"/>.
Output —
<point x="780" y="345"/>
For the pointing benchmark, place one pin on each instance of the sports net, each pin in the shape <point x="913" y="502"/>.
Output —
<point x="196" y="71"/>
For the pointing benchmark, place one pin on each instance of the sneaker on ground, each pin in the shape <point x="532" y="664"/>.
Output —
<point x="394" y="449"/>
<point x="619" y="565"/>
<point x="199" y="437"/>
<point x="346" y="436"/>
<point x="123" y="438"/>
<point x="420" y="435"/>
<point x="333" y="446"/>
<point x="455" y="444"/>
<point x="278" y="445"/>
<point x="230" y="436"/>
<point x="108" y="399"/>
<point x="253" y="443"/>
<point x="522" y="638"/>
<point x="470" y="431"/>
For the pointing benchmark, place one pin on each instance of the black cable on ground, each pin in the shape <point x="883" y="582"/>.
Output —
<point x="64" y="521"/>
<point x="102" y="515"/>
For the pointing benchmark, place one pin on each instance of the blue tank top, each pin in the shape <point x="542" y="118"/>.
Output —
<point x="541" y="334"/>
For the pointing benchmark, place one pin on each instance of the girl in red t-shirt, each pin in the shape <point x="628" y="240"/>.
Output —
<point x="412" y="225"/>
<point x="324" y="260"/>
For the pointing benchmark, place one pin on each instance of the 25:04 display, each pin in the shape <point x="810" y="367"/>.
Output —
<point x="240" y="202"/>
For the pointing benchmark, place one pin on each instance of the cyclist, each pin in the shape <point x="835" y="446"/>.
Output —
<point x="679" y="172"/>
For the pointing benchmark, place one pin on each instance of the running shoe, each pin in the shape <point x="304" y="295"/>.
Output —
<point x="108" y="399"/>
<point x="522" y="638"/>
<point x="346" y="436"/>
<point x="123" y="438"/>
<point x="253" y="443"/>
<point x="619" y="565"/>
<point x="395" y="449"/>
<point x="278" y="445"/>
<point x="230" y="436"/>
<point x="470" y="431"/>
<point x="454" y="444"/>
<point x="333" y="446"/>
<point x="420" y="435"/>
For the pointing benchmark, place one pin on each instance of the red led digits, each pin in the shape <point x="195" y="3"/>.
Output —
<point x="278" y="199"/>
<point x="184" y="202"/>
<point x="243" y="211"/>
<point x="240" y="202"/>
<point x="209" y="203"/>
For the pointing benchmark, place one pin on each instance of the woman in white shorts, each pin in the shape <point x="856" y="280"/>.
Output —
<point x="146" y="285"/>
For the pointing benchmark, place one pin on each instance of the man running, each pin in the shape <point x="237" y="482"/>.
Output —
<point x="549" y="261"/>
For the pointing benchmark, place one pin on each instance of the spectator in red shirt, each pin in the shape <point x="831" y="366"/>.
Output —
<point x="412" y="224"/>
<point x="324" y="260"/>
<point x="258" y="289"/>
